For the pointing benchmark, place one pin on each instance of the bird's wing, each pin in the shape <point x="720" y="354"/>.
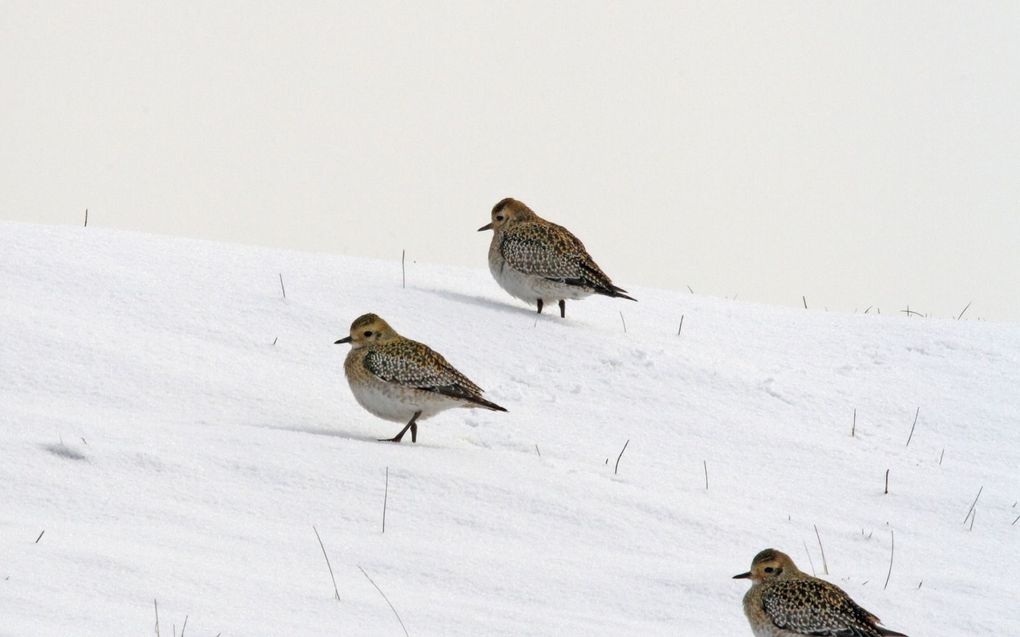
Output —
<point x="541" y="249"/>
<point x="818" y="608"/>
<point x="415" y="365"/>
<point x="553" y="252"/>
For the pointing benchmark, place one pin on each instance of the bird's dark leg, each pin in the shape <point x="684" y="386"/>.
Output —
<point x="540" y="304"/>
<point x="412" y="425"/>
<point x="563" y="308"/>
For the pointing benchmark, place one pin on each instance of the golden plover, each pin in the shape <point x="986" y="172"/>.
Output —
<point x="537" y="261"/>
<point x="402" y="380"/>
<point x="784" y="602"/>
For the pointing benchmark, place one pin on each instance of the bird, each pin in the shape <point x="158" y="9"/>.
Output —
<point x="538" y="261"/>
<point x="785" y="602"/>
<point x="401" y="380"/>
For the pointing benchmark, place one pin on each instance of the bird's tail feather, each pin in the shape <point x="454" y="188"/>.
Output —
<point x="615" y="292"/>
<point x="481" y="402"/>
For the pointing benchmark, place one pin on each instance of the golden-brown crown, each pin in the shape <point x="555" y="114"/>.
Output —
<point x="369" y="329"/>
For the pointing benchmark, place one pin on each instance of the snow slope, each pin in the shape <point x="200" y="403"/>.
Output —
<point x="171" y="451"/>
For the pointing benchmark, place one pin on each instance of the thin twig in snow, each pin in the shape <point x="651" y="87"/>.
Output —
<point x="395" y="614"/>
<point x="691" y="289"/>
<point x="974" y="503"/>
<point x="680" y="329"/>
<point x="853" y="427"/>
<point x="184" y="626"/>
<point x="705" y="463"/>
<point x="960" y="315"/>
<point x="156" y="607"/>
<point x="282" y="289"/>
<point x="624" y="323"/>
<point x="537" y="450"/>
<point x="40" y="536"/>
<point x="810" y="561"/>
<point x="86" y="218"/>
<point x="886" y="482"/>
<point x="941" y="455"/>
<point x="617" y="467"/>
<point x="336" y="591"/>
<point x="912" y="426"/>
<point x="403" y="270"/>
<point x="825" y="564"/>
<point x="892" y="553"/>
<point x="805" y="301"/>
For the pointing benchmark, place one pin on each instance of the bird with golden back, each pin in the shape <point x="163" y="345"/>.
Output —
<point x="401" y="380"/>
<point x="785" y="602"/>
<point x="538" y="261"/>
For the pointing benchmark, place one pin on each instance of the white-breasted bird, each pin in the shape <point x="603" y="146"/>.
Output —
<point x="402" y="380"/>
<point x="785" y="602"/>
<point x="538" y="261"/>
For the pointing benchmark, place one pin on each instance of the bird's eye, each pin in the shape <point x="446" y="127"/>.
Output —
<point x="499" y="217"/>
<point x="368" y="333"/>
<point x="769" y="569"/>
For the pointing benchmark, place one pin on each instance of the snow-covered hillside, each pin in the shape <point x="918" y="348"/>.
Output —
<point x="177" y="427"/>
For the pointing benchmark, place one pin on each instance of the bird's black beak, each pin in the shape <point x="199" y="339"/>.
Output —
<point x="343" y="340"/>
<point x="746" y="575"/>
<point x="487" y="226"/>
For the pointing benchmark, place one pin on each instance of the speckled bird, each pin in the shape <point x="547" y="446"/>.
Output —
<point x="402" y="380"/>
<point x="538" y="261"/>
<point x="784" y="602"/>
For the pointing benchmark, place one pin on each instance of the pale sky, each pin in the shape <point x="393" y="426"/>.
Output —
<point x="856" y="153"/>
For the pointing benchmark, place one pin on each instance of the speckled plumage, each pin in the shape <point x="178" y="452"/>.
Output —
<point x="402" y="380"/>
<point x="411" y="364"/>
<point x="785" y="602"/>
<point x="538" y="261"/>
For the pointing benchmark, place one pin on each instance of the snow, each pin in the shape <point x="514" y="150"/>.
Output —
<point x="171" y="451"/>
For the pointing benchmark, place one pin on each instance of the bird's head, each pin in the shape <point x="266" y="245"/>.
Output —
<point x="368" y="329"/>
<point x="769" y="564"/>
<point x="507" y="212"/>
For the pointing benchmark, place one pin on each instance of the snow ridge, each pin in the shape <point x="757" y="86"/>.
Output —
<point x="176" y="427"/>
